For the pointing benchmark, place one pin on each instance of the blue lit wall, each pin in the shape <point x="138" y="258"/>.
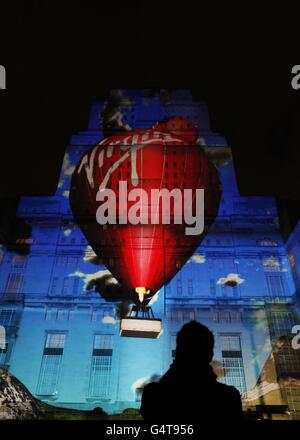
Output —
<point x="293" y="248"/>
<point x="244" y="241"/>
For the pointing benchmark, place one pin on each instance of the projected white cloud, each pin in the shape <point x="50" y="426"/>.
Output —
<point x="90" y="279"/>
<point x="140" y="383"/>
<point x="198" y="259"/>
<point x="90" y="256"/>
<point x="232" y="278"/>
<point x="108" y="320"/>
<point x="67" y="167"/>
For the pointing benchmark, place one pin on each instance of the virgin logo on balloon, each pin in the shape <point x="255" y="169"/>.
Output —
<point x="139" y="198"/>
<point x="139" y="212"/>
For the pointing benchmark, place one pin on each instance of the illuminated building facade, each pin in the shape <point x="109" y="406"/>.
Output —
<point x="62" y="336"/>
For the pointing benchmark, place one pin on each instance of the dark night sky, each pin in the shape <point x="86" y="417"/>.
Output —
<point x="61" y="58"/>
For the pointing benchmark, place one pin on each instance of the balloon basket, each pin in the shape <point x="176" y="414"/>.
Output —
<point x="141" y="327"/>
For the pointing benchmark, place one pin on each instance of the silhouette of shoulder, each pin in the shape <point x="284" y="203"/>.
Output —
<point x="230" y="398"/>
<point x="151" y="398"/>
<point x="218" y="401"/>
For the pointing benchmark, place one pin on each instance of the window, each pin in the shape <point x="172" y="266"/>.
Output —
<point x="180" y="315"/>
<point x="19" y="261"/>
<point x="2" y="337"/>
<point x="234" y="373"/>
<point x="51" y="364"/>
<point x="226" y="316"/>
<point x="233" y="361"/>
<point x="49" y="375"/>
<point x="99" y="385"/>
<point x="25" y="241"/>
<point x="190" y="287"/>
<point x="55" y="340"/>
<point x="61" y="314"/>
<point x="191" y="314"/>
<point x="293" y="400"/>
<point x="271" y="264"/>
<point x="3" y="352"/>
<point x="212" y="287"/>
<point x="103" y="341"/>
<point x="66" y="261"/>
<point x="7" y="317"/>
<point x="48" y="315"/>
<point x="14" y="282"/>
<point x="215" y="317"/>
<point x="280" y="323"/>
<point x="230" y="342"/>
<point x="276" y="285"/>
<point x="236" y="317"/>
<point x="67" y="285"/>
<point x="266" y="241"/>
<point x="168" y="290"/>
<point x="54" y="286"/>
<point x="94" y="316"/>
<point x="75" y="285"/>
<point x="176" y="315"/>
<point x="292" y="260"/>
<point x="179" y="287"/>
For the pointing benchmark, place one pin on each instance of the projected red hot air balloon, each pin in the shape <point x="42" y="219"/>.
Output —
<point x="137" y="197"/>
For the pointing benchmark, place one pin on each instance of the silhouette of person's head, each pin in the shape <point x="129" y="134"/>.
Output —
<point x="195" y="342"/>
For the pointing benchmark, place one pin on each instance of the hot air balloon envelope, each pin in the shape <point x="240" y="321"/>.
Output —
<point x="117" y="178"/>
